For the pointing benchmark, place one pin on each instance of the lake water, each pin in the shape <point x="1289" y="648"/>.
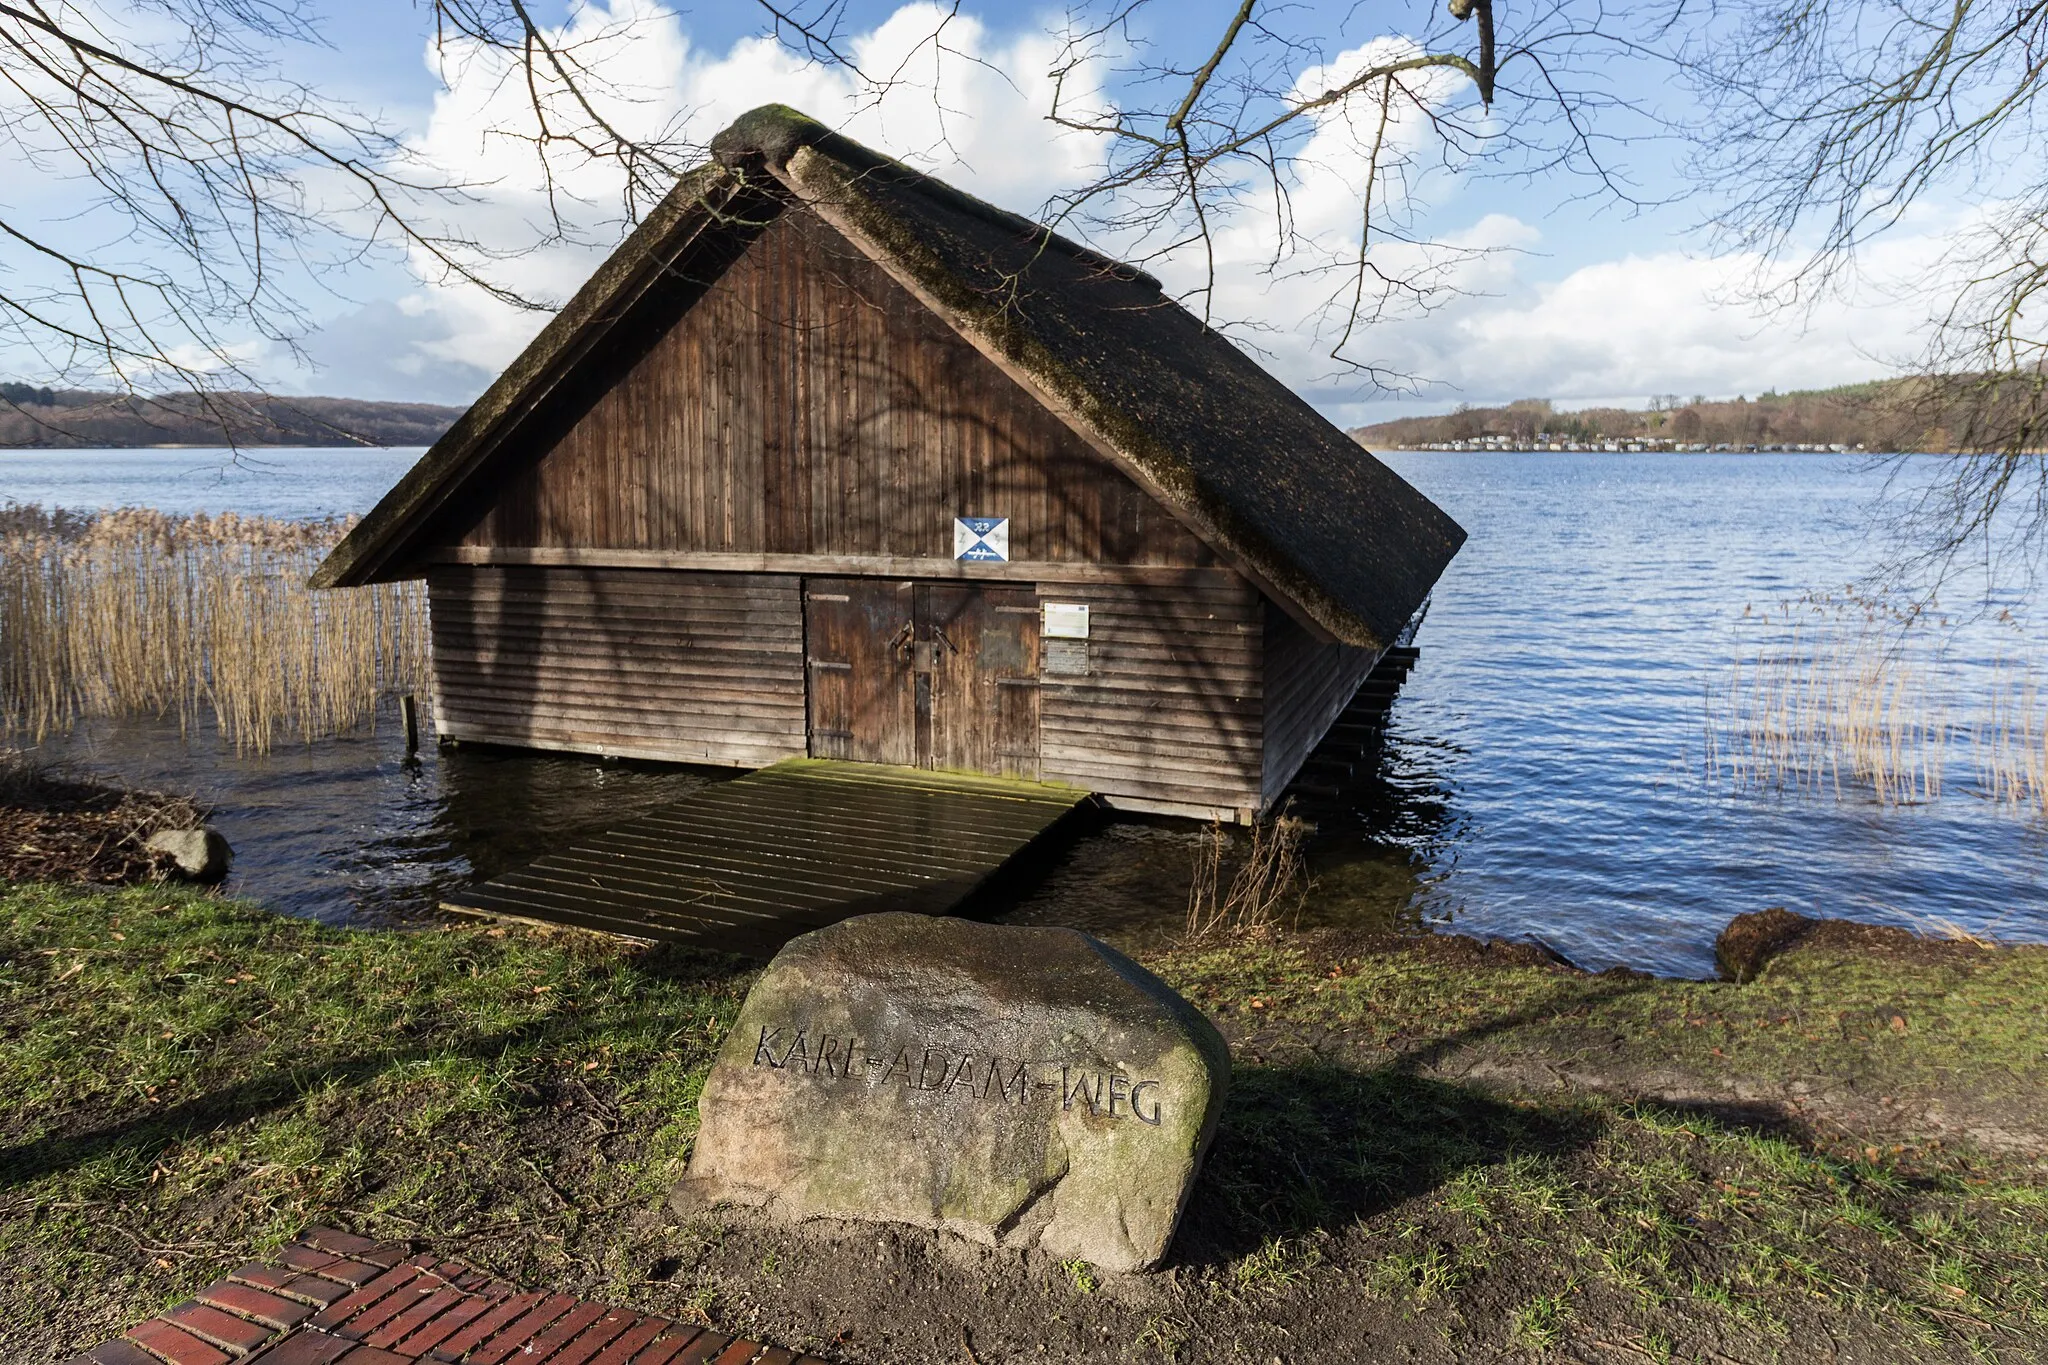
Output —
<point x="1544" y="773"/>
<point x="1547" y="763"/>
<point x="272" y="483"/>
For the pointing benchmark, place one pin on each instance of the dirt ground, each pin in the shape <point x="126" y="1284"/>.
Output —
<point x="1509" y="1195"/>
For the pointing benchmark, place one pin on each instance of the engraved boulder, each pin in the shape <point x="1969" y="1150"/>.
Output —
<point x="1022" y="1087"/>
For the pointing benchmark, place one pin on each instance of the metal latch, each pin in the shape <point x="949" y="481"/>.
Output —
<point x="924" y="656"/>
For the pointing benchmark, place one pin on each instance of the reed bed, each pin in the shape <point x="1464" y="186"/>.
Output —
<point x="1845" y="698"/>
<point x="136" y="612"/>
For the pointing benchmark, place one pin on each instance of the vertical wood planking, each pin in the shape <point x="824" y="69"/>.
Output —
<point x="808" y="404"/>
<point x="859" y="660"/>
<point x="983" y="641"/>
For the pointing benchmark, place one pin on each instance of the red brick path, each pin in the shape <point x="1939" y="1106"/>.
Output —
<point x="332" y="1298"/>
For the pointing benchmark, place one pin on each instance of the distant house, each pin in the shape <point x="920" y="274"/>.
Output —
<point x="830" y="458"/>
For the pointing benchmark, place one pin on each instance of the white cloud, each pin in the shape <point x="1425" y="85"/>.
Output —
<point x="1288" y="279"/>
<point x="969" y="107"/>
<point x="1506" y="325"/>
<point x="1668" y="322"/>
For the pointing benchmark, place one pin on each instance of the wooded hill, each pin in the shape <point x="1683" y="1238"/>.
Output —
<point x="1883" y="415"/>
<point x="79" y="419"/>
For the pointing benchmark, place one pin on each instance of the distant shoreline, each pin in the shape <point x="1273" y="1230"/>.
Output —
<point x="1479" y="448"/>
<point x="77" y="419"/>
<point x="1931" y="415"/>
<point x="116" y="448"/>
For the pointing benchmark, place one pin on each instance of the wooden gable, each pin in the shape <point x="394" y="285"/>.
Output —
<point x="808" y="404"/>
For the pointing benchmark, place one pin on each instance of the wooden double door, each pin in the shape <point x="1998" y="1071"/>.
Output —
<point x="930" y="675"/>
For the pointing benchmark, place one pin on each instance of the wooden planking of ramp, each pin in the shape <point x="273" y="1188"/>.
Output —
<point x="746" y="865"/>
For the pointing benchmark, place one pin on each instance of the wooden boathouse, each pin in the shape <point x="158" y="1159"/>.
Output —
<point x="830" y="459"/>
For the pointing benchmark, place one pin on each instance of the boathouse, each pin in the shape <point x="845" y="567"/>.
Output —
<point x="832" y="459"/>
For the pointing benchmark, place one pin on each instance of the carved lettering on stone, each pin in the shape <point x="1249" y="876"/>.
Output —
<point x="979" y="1076"/>
<point x="1024" y="1087"/>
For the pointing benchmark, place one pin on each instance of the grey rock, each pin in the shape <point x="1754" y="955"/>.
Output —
<point x="199" y="855"/>
<point x="1022" y="1087"/>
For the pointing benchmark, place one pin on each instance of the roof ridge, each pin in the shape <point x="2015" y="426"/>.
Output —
<point x="776" y="132"/>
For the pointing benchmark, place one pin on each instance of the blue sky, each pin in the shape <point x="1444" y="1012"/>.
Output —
<point x="1574" y="297"/>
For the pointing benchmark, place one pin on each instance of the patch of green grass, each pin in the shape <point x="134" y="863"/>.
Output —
<point x="1827" y="1013"/>
<point x="1457" y="1194"/>
<point x="1278" y="1263"/>
<point x="1539" y="1324"/>
<point x="202" y="1079"/>
<point x="166" y="1051"/>
<point x="1081" y="1275"/>
<point x="1421" y="1274"/>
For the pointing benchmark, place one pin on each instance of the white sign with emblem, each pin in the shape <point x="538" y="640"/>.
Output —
<point x="981" y="539"/>
<point x="1064" y="620"/>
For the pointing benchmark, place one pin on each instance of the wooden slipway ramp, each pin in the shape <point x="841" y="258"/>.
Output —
<point x="747" y="865"/>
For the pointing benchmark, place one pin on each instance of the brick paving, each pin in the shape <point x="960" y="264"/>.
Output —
<point x="332" y="1298"/>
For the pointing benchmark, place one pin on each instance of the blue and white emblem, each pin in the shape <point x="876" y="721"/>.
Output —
<point x="981" y="538"/>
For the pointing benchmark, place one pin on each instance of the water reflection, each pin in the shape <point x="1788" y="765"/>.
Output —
<point x="1383" y="851"/>
<point x="350" y="830"/>
<point x="1376" y="860"/>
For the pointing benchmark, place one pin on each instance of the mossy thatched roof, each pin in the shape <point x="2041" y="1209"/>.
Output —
<point x="1316" y="521"/>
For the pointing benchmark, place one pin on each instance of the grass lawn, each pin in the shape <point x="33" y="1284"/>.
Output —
<point x="1430" y="1152"/>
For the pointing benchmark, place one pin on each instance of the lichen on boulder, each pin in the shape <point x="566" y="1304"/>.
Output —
<point x="1021" y="1087"/>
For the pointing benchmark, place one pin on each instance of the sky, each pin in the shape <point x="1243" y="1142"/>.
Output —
<point x="1551" y="289"/>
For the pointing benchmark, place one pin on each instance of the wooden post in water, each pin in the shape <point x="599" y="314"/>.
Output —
<point x="409" y="712"/>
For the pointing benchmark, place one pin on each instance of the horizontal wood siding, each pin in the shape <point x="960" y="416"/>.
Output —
<point x="689" y="667"/>
<point x="1308" y="684"/>
<point x="1169" y="715"/>
<point x="807" y="404"/>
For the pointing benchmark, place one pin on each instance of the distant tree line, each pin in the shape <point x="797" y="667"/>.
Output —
<point x="71" y="419"/>
<point x="28" y="393"/>
<point x="1905" y="415"/>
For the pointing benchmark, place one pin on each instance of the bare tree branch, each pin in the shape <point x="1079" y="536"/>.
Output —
<point x="233" y="186"/>
<point x="1828" y="125"/>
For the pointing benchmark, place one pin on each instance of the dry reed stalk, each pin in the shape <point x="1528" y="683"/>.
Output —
<point x="137" y="612"/>
<point x="1847" y="701"/>
<point x="2011" y="741"/>
<point x="1268" y="888"/>
<point x="1829" y="714"/>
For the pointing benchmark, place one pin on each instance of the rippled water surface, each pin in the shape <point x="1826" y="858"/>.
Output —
<point x="1546" y="764"/>
<point x="1544" y="772"/>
